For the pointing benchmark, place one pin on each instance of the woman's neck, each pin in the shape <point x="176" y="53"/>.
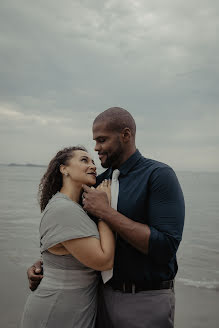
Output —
<point x="73" y="192"/>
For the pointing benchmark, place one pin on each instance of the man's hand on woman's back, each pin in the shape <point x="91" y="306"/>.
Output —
<point x="35" y="275"/>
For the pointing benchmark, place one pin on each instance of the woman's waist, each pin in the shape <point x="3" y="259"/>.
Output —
<point x="67" y="279"/>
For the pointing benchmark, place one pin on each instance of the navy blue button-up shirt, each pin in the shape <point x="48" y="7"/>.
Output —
<point x="149" y="193"/>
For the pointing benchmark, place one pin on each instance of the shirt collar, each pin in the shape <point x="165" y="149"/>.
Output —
<point x="130" y="162"/>
<point x="127" y="165"/>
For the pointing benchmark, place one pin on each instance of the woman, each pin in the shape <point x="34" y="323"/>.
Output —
<point x="72" y="246"/>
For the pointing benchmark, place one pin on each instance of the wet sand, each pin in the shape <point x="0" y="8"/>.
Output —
<point x="195" y="307"/>
<point x="14" y="291"/>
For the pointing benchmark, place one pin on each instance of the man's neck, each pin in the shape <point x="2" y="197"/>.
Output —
<point x="124" y="158"/>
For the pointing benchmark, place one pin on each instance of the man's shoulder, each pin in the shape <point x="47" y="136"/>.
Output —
<point x="151" y="164"/>
<point x="157" y="172"/>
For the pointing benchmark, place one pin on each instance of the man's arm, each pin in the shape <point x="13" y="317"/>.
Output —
<point x="35" y="275"/>
<point x="137" y="234"/>
<point x="166" y="213"/>
<point x="160" y="239"/>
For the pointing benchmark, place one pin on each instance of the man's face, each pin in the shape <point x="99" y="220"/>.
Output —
<point x="108" y="145"/>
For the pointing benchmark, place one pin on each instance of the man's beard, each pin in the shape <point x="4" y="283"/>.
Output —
<point x="113" y="158"/>
<point x="109" y="161"/>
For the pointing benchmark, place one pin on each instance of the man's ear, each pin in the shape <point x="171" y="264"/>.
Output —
<point x="126" y="134"/>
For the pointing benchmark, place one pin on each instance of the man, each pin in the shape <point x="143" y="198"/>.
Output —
<point x="148" y="224"/>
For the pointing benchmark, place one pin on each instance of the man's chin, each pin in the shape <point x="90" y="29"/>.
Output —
<point x="105" y="165"/>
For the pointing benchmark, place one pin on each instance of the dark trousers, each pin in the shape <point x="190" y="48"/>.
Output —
<point x="147" y="309"/>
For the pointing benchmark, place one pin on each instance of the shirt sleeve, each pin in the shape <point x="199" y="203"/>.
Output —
<point x="166" y="215"/>
<point x="65" y="222"/>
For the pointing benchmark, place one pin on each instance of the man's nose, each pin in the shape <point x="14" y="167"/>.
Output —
<point x="97" y="146"/>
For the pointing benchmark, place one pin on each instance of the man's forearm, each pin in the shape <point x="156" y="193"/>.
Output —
<point x="135" y="233"/>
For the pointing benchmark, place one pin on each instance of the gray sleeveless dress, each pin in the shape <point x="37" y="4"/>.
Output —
<point x="67" y="295"/>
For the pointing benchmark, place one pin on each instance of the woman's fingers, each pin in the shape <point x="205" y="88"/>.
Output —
<point x="105" y="186"/>
<point x="102" y="185"/>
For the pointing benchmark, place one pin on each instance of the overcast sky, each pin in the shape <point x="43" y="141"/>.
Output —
<point x="63" y="62"/>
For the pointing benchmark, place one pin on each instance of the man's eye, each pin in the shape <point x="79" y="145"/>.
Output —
<point x="101" y="140"/>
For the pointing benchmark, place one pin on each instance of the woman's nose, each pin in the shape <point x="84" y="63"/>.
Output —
<point x="93" y="166"/>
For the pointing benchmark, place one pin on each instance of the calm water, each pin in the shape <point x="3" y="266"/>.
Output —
<point x="198" y="255"/>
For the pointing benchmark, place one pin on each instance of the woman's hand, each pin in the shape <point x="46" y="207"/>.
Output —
<point x="106" y="187"/>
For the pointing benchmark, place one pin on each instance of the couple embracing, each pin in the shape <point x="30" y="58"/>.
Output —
<point x="108" y="243"/>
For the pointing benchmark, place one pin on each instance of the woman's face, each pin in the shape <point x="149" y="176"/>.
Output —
<point x="81" y="168"/>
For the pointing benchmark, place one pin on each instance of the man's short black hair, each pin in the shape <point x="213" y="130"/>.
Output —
<point x="117" y="119"/>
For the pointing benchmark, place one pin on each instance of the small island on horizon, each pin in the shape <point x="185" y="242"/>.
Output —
<point x="27" y="165"/>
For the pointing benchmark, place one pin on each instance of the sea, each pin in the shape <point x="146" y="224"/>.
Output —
<point x="197" y="280"/>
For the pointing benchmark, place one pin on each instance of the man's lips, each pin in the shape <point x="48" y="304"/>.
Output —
<point x="101" y="155"/>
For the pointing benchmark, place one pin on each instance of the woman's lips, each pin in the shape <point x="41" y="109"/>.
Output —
<point x="94" y="174"/>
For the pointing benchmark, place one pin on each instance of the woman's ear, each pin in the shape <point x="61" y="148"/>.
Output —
<point x="62" y="169"/>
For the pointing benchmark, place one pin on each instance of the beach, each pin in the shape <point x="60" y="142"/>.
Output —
<point x="195" y="308"/>
<point x="197" y="281"/>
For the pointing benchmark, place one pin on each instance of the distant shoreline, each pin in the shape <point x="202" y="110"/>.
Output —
<point x="102" y="170"/>
<point x="25" y="165"/>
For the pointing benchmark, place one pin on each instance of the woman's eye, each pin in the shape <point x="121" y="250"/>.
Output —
<point x="84" y="159"/>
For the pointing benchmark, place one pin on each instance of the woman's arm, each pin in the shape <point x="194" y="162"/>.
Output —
<point x="97" y="254"/>
<point x="92" y="252"/>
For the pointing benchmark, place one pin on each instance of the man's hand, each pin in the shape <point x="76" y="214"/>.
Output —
<point x="35" y="275"/>
<point x="95" y="201"/>
<point x="135" y="233"/>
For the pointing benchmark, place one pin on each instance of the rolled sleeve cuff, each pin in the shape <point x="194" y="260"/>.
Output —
<point x="152" y="241"/>
<point x="162" y="248"/>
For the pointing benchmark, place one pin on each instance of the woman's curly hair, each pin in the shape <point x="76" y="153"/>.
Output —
<point x="51" y="181"/>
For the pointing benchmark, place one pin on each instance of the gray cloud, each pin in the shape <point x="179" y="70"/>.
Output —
<point x="61" y="63"/>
